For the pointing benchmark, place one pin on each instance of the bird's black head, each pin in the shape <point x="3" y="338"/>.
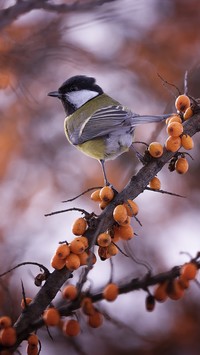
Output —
<point x="76" y="91"/>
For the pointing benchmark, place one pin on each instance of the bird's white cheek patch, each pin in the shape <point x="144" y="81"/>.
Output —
<point x="79" y="98"/>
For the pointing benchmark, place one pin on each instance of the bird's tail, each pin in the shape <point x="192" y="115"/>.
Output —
<point x="137" y="120"/>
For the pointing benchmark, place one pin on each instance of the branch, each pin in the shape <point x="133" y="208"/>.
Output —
<point x="7" y="16"/>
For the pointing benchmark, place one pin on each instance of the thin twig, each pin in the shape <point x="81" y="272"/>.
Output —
<point x="82" y="193"/>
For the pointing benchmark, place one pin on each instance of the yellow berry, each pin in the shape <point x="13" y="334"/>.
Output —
<point x="110" y="292"/>
<point x="131" y="208"/>
<point x="63" y="251"/>
<point x="57" y="263"/>
<point x="124" y="232"/>
<point x="173" y="118"/>
<point x="189" y="271"/>
<point x="182" y="103"/>
<point x="175" y="129"/>
<point x="112" y="250"/>
<point x="172" y="144"/>
<point x="73" y="262"/>
<point x="188" y="113"/>
<point x="51" y="316"/>
<point x="155" y="149"/>
<point x="95" y="196"/>
<point x="104" y="239"/>
<point x="79" y="226"/>
<point x="106" y="194"/>
<point x="104" y="253"/>
<point x="181" y="165"/>
<point x="71" y="327"/>
<point x="70" y="292"/>
<point x="187" y="142"/>
<point x="120" y="214"/>
<point x="155" y="183"/>
<point x="77" y="247"/>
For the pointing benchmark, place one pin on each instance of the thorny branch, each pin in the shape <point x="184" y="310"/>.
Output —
<point x="30" y="319"/>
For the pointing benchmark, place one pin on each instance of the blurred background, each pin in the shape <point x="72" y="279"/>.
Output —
<point x="127" y="45"/>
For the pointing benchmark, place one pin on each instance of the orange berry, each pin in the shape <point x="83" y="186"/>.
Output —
<point x="181" y="165"/>
<point x="160" y="293"/>
<point x="106" y="194"/>
<point x="120" y="214"/>
<point x="33" y="339"/>
<point x="187" y="142"/>
<point x="77" y="247"/>
<point x="111" y="292"/>
<point x="155" y="149"/>
<point x="104" y="239"/>
<point x="57" y="263"/>
<point x="155" y="183"/>
<point x="131" y="208"/>
<point x="183" y="282"/>
<point x="63" y="251"/>
<point x="73" y="262"/>
<point x="71" y="328"/>
<point x="174" y="290"/>
<point x="126" y="222"/>
<point x="124" y="232"/>
<point x="188" y="113"/>
<point x="87" y="306"/>
<point x="95" y="196"/>
<point x="189" y="271"/>
<point x="103" y="204"/>
<point x="173" y="118"/>
<point x="175" y="129"/>
<point x="8" y="336"/>
<point x="182" y="103"/>
<point x="150" y="303"/>
<point x="95" y="320"/>
<point x="51" y="316"/>
<point x="104" y="253"/>
<point x="79" y="226"/>
<point x="84" y="240"/>
<point x="112" y="250"/>
<point x="5" y="322"/>
<point x="28" y="301"/>
<point x="173" y="143"/>
<point x="70" y="292"/>
<point x="32" y="349"/>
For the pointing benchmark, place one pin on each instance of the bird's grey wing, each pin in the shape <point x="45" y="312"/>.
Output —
<point x="104" y="121"/>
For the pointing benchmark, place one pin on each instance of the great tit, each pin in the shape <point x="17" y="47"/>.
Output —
<point x="95" y="123"/>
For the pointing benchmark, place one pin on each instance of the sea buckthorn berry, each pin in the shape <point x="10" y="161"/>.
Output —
<point x="51" y="316"/>
<point x="57" y="263"/>
<point x="33" y="339"/>
<point x="106" y="193"/>
<point x="77" y="247"/>
<point x="25" y="303"/>
<point x="187" y="142"/>
<point x="103" y="253"/>
<point x="70" y="292"/>
<point x="63" y="251"/>
<point x="175" y="129"/>
<point x="183" y="282"/>
<point x="104" y="239"/>
<point x="5" y="322"/>
<point x="181" y="165"/>
<point x="95" y="196"/>
<point x="120" y="214"/>
<point x="125" y="232"/>
<point x="188" y="113"/>
<point x="174" y="290"/>
<point x="155" y="149"/>
<point x="95" y="320"/>
<point x="126" y="222"/>
<point x="172" y="144"/>
<point x="173" y="118"/>
<point x="182" y="103"/>
<point x="83" y="258"/>
<point x="8" y="336"/>
<point x="150" y="303"/>
<point x="79" y="226"/>
<point x="73" y="262"/>
<point x="112" y="250"/>
<point x="111" y="292"/>
<point x="103" y="204"/>
<point x="155" y="183"/>
<point x="87" y="306"/>
<point x="131" y="208"/>
<point x="71" y="327"/>
<point x="32" y="349"/>
<point x="160" y="293"/>
<point x="189" y="271"/>
<point x="84" y="240"/>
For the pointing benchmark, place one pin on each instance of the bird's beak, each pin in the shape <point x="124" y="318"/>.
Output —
<point x="54" y="94"/>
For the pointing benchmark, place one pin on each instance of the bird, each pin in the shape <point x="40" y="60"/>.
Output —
<point x="95" y="123"/>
